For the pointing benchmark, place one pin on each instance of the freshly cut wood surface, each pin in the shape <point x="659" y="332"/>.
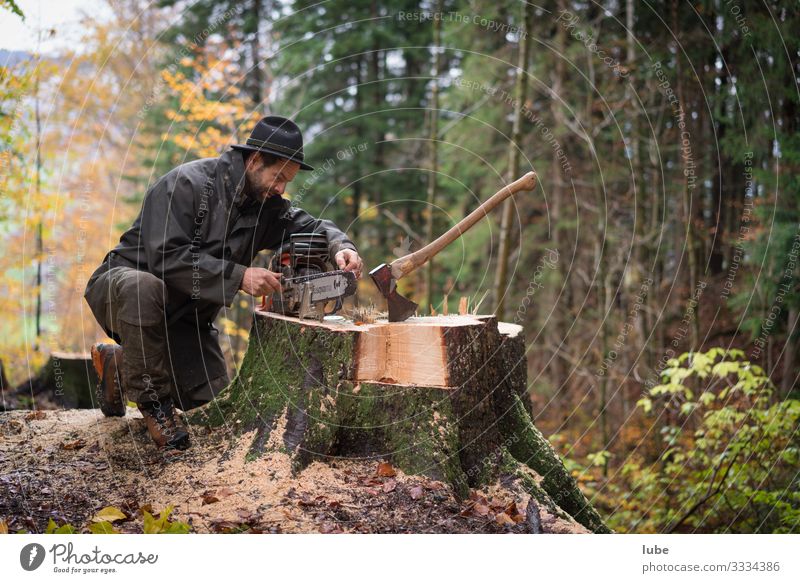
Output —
<point x="413" y="352"/>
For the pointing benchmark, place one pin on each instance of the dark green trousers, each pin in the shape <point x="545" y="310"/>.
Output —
<point x="130" y="306"/>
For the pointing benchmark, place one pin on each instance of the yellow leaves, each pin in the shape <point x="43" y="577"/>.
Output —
<point x="645" y="403"/>
<point x="162" y="524"/>
<point x="102" y="528"/>
<point x="212" y="108"/>
<point x="102" y="522"/>
<point x="109" y="514"/>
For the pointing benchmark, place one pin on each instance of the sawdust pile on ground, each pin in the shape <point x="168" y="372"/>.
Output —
<point x="67" y="465"/>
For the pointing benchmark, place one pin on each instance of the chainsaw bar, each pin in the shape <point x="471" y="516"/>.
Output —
<point x="326" y="286"/>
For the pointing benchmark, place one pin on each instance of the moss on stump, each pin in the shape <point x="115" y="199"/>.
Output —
<point x="472" y="431"/>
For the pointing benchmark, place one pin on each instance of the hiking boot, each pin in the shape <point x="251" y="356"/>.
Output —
<point x="107" y="360"/>
<point x="164" y="426"/>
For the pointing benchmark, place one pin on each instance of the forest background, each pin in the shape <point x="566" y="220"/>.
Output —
<point x="655" y="269"/>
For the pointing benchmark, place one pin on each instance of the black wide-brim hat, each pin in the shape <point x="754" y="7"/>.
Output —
<point x="279" y="136"/>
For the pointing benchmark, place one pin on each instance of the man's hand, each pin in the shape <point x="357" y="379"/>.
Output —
<point x="349" y="260"/>
<point x="260" y="282"/>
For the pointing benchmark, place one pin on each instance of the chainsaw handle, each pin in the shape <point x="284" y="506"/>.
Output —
<point x="405" y="265"/>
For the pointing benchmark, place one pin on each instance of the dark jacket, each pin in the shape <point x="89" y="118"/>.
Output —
<point x="198" y="231"/>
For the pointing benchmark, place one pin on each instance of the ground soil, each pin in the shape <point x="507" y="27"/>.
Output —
<point x="68" y="464"/>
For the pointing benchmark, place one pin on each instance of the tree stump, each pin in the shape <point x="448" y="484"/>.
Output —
<point x="67" y="380"/>
<point x="443" y="397"/>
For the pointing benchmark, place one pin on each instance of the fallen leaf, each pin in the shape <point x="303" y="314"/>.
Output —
<point x="504" y="518"/>
<point x="35" y="415"/>
<point x="416" y="492"/>
<point x="330" y="528"/>
<point x="386" y="470"/>
<point x="224" y="492"/>
<point x="247" y="516"/>
<point x="389" y="486"/>
<point x="209" y="499"/>
<point x="478" y="498"/>
<point x="109" y="514"/>
<point x="221" y="526"/>
<point x="3" y="527"/>
<point x="102" y="527"/>
<point x="77" y="444"/>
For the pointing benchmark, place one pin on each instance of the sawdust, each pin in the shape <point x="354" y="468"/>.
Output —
<point x="66" y="465"/>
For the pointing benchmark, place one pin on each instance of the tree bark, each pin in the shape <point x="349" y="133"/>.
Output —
<point x="67" y="381"/>
<point x="507" y="217"/>
<point x="443" y="397"/>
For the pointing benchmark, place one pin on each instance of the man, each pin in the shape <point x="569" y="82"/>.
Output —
<point x="186" y="256"/>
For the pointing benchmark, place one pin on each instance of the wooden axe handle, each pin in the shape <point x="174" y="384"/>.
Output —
<point x="405" y="265"/>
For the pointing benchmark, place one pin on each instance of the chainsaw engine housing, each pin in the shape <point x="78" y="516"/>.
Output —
<point x="309" y="281"/>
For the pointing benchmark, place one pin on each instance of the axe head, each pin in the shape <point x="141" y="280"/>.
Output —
<point x="400" y="308"/>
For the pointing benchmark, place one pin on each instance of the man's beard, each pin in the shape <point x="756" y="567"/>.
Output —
<point x="256" y="193"/>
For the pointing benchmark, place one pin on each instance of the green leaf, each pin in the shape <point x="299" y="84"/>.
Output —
<point x="102" y="527"/>
<point x="723" y="369"/>
<point x="162" y="524"/>
<point x="707" y="398"/>
<point x="645" y="403"/>
<point x="53" y="528"/>
<point x="150" y="526"/>
<point x="177" y="528"/>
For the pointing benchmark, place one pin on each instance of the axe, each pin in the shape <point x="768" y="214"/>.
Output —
<point x="386" y="276"/>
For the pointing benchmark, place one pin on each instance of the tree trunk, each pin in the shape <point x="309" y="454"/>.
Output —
<point x="67" y="381"/>
<point x="507" y="216"/>
<point x="433" y="144"/>
<point x="442" y="397"/>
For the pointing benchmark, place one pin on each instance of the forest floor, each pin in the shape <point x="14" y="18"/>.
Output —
<point x="69" y="464"/>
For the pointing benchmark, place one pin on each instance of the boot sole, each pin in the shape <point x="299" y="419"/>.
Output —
<point x="97" y="362"/>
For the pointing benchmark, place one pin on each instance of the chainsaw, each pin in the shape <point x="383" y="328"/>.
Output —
<point x="309" y="283"/>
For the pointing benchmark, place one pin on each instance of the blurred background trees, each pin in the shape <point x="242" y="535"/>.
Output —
<point x="666" y="224"/>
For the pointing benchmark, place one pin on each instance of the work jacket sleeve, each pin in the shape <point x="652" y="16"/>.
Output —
<point x="172" y="228"/>
<point x="295" y="220"/>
